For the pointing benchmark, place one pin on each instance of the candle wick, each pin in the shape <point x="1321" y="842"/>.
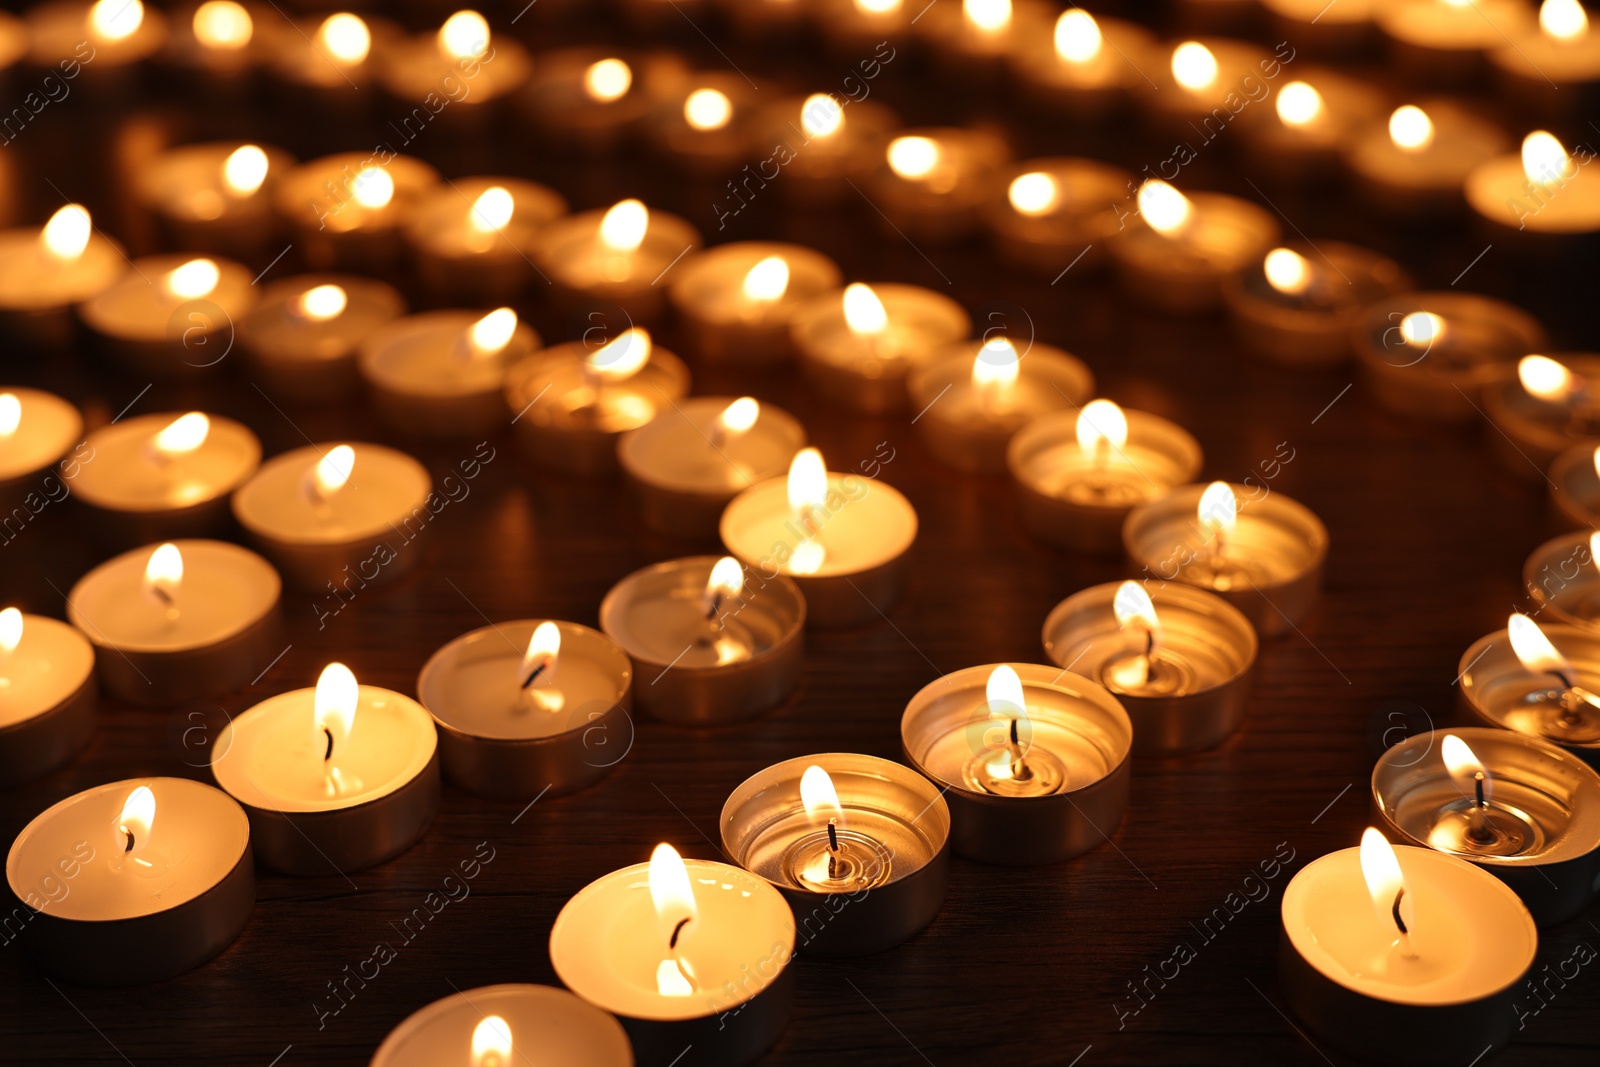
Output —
<point x="328" y="753"/>
<point x="1477" y="781"/>
<point x="534" y="674"/>
<point x="129" y="835"/>
<point x="1398" y="921"/>
<point x="672" y="942"/>
<point x="833" y="838"/>
<point x="715" y="605"/>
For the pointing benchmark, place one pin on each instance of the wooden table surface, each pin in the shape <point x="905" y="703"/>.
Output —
<point x="1025" y="965"/>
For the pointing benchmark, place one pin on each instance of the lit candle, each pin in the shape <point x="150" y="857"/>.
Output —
<point x="864" y="839"/>
<point x="528" y="707"/>
<point x="596" y="101"/>
<point x="1523" y="680"/>
<point x="1343" y="28"/>
<point x="736" y="301"/>
<point x="216" y="45"/>
<point x="441" y="374"/>
<point x="1263" y="554"/>
<point x="37" y="430"/>
<point x="843" y="538"/>
<point x="216" y="197"/>
<point x="1055" y="214"/>
<point x="336" y="514"/>
<point x="1561" y="575"/>
<point x="1544" y="409"/>
<point x="1441" y="40"/>
<point x="570" y="403"/>
<point x="1418" y="163"/>
<point x="461" y="50"/>
<point x="180" y="621"/>
<point x="47" y="695"/>
<point x="1314" y="116"/>
<point x="104" y="39"/>
<point x="133" y="882"/>
<point x="974" y="39"/>
<point x="327" y="55"/>
<point x="1078" y="473"/>
<point x="44" y="272"/>
<point x="860" y="346"/>
<point x="1575" y="486"/>
<point x="473" y="238"/>
<point x="689" y="462"/>
<point x="171" y="316"/>
<point x="1541" y="190"/>
<point x="1303" y="301"/>
<point x="1205" y="82"/>
<point x="334" y="779"/>
<point x="682" y="952"/>
<point x="1403" y="955"/>
<point x="856" y="28"/>
<point x="615" y="257"/>
<point x="707" y="130"/>
<point x="348" y="211"/>
<point x="1562" y="50"/>
<point x="824" y="144"/>
<point x="1086" y="67"/>
<point x="1181" y="250"/>
<point x="976" y="395"/>
<point x="716" y="646"/>
<point x="301" y="338"/>
<point x="494" y="1026"/>
<point x="933" y="182"/>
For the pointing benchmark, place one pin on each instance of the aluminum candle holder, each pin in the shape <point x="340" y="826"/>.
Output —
<point x="1498" y="690"/>
<point x="1429" y="355"/>
<point x="1087" y="68"/>
<point x="1537" y="828"/>
<point x="48" y="699"/>
<point x="1417" y="165"/>
<point x="45" y="430"/>
<point x="1315" y="113"/>
<point x="564" y="1030"/>
<point x="865" y="365"/>
<point x="204" y="200"/>
<point x="582" y="267"/>
<point x="1301" y="303"/>
<point x="1563" y="578"/>
<point x="1191" y="79"/>
<point x="1189" y="691"/>
<point x="862" y="874"/>
<point x="360" y="208"/>
<point x="735" y="301"/>
<point x="1050" y="214"/>
<point x="501" y="739"/>
<point x="168" y="318"/>
<point x="1181" y="262"/>
<point x="707" y="658"/>
<point x="596" y="100"/>
<point x="467" y="250"/>
<point x="1050" y="787"/>
<point x="705" y="130"/>
<point x="1575" y="486"/>
<point x="829" y="146"/>
<point x="934" y="181"/>
<point x="1534" y="429"/>
<point x="301" y="338"/>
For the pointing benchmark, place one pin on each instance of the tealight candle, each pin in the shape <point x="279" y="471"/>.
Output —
<point x="825" y="144"/>
<point x="461" y="49"/>
<point x="1181" y="250"/>
<point x="220" y="42"/>
<point x="518" y="705"/>
<point x="976" y="395"/>
<point x="1430" y="355"/>
<point x="1087" y="67"/>
<point x="334" y="779"/>
<point x="1561" y="51"/>
<point x="1539" y="681"/>
<point x="302" y="336"/>
<point x="860" y="346"/>
<point x="1542" y="410"/>
<point x="1199" y="79"/>
<point x="473" y="238"/>
<point x="1343" y="27"/>
<point x="326" y="57"/>
<point x="166" y="475"/>
<point x="1263" y="554"/>
<point x="1304" y="300"/>
<point x="47" y="695"/>
<point x="1079" y="473"/>
<point x="133" y="882"/>
<point x="491" y="1026"/>
<point x="184" y="620"/>
<point x="714" y="645"/>
<point x="37" y="430"/>
<point x="1519" y="808"/>
<point x="595" y="100"/>
<point x="171" y="316"/>
<point x="442" y="374"/>
<point x="686" y="464"/>
<point x="706" y="128"/>
<point x="854" y="28"/>
<point x="684" y="953"/>
<point x="1179" y="659"/>
<point x="933" y="182"/>
<point x="1575" y="486"/>
<point x="215" y="198"/>
<point x="1561" y="575"/>
<point x="843" y="538"/>
<point x="348" y="210"/>
<point x="1053" y="214"/>
<point x="570" y="403"/>
<point x="863" y="840"/>
<point x="44" y="272"/>
<point x="1313" y="117"/>
<point x="110" y="37"/>
<point x="616" y="256"/>
<point x="736" y="301"/>
<point x="326" y="514"/>
<point x="1416" y="166"/>
<point x="1403" y="955"/>
<point x="1446" y="39"/>
<point x="973" y="40"/>
<point x="1542" y="190"/>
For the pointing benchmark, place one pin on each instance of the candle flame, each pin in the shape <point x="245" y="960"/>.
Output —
<point x="1410" y="128"/>
<point x="1463" y="765"/>
<point x="1597" y="474"/>
<point x="726" y="581"/>
<point x="1380" y="869"/>
<point x="1078" y="37"/>
<point x="333" y="708"/>
<point x="1163" y="208"/>
<point x="10" y="630"/>
<point x="877" y="7"/>
<point x="183" y="435"/>
<point x="193" y="280"/>
<point x="1101" y="421"/>
<point x="987" y="16"/>
<point x="321" y="303"/>
<point x="1193" y="66"/>
<point x="1421" y="328"/>
<point x="624" y="226"/>
<point x="66" y="235"/>
<point x="1133" y="608"/>
<point x="671" y="893"/>
<point x="808" y="481"/>
<point x="1299" y="104"/>
<point x="10" y="414"/>
<point x="1544" y="161"/>
<point x="1004" y="695"/>
<point x="373" y="188"/>
<point x="767" y="281"/>
<point x="1034" y="194"/>
<point x="996" y="366"/>
<point x="707" y="109"/>
<point x="464" y="35"/>
<point x="492" y="210"/>
<point x="332" y="471"/>
<point x="821" y="115"/>
<point x="345" y="38"/>
<point x="1287" y="271"/>
<point x="863" y="311"/>
<point x="491" y="1042"/>
<point x="544" y="649"/>
<point x="1563" y="20"/>
<point x="1544" y="378"/>
<point x="623" y="357"/>
<point x="114" y="20"/>
<point x="819" y="797"/>
<point x="1219" y="509"/>
<point x="133" y="825"/>
<point x="490" y="334"/>
<point x="740" y="415"/>
<point x="607" y="80"/>
<point x="1533" y="649"/>
<point x="163" y="573"/>
<point x="223" y="24"/>
<point x="913" y="157"/>
<point x="244" y="170"/>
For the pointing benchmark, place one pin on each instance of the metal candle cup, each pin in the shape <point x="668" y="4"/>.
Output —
<point x="1189" y="691"/>
<point x="148" y="324"/>
<point x="179" y="891"/>
<point x="429" y="377"/>
<point x="1079" y="500"/>
<point x="1497" y="690"/>
<point x="705" y="129"/>
<point x="1072" y="734"/>
<point x="501" y="739"/>
<point x="867" y="371"/>
<point x="465" y="253"/>
<point x="1184" y="271"/>
<point x="824" y="157"/>
<point x="1054" y="214"/>
<point x="1444" y="41"/>
<point x="1303" y="311"/>
<point x="306" y="351"/>
<point x="1344" y="28"/>
<point x="729" y="324"/>
<point x="419" y="67"/>
<point x="348" y="210"/>
<point x="969" y="423"/>
<point x="573" y="255"/>
<point x="1269" y="566"/>
<point x="707" y="662"/>
<point x="63" y="30"/>
<point x="1533" y="205"/>
<point x="1539" y="831"/>
<point x="564" y="1030"/>
<point x="1297" y="142"/>
<point x="199" y="206"/>
<point x="1575" y="487"/>
<point x="893" y="828"/>
<point x="1562" y="577"/>
<point x="1172" y="105"/>
<point x="963" y="49"/>
<point x="1423" y="180"/>
<point x="938" y="193"/>
<point x="47" y="429"/>
<point x="1526" y="65"/>
<point x="47" y="701"/>
<point x="568" y="106"/>
<point x="39" y="288"/>
<point x="1096" y="79"/>
<point x="685" y="465"/>
<point x="1429" y="355"/>
<point x="1534" y="430"/>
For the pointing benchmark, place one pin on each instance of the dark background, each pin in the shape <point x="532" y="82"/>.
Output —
<point x="1027" y="966"/>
